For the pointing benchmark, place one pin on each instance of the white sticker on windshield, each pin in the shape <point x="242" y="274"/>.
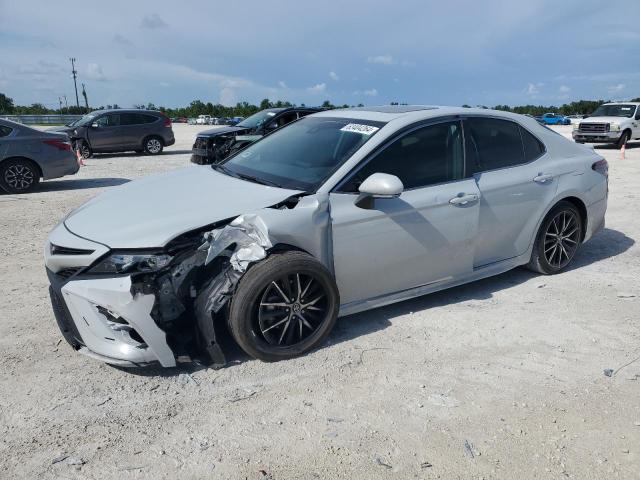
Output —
<point x="625" y="108"/>
<point x="359" y="128"/>
<point x="271" y="114"/>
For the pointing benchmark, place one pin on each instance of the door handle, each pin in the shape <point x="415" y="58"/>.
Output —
<point x="543" y="178"/>
<point x="464" y="199"/>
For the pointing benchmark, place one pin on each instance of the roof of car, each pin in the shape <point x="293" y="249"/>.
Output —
<point x="411" y="113"/>
<point x="125" y="110"/>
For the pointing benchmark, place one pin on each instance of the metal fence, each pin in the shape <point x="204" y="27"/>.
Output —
<point x="43" y="119"/>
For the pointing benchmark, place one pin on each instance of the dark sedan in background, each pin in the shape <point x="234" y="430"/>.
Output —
<point x="108" y="131"/>
<point x="28" y="155"/>
<point x="213" y="146"/>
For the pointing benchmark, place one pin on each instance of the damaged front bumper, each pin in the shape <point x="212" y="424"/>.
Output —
<point x="140" y="318"/>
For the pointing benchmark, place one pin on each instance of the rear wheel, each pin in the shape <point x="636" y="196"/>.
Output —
<point x="19" y="175"/>
<point x="558" y="239"/>
<point x="153" y="145"/>
<point x="283" y="307"/>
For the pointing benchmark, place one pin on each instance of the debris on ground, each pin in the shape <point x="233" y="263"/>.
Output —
<point x="59" y="458"/>
<point x="468" y="449"/>
<point x="238" y="395"/>
<point x="608" y="372"/>
<point x="426" y="465"/>
<point x="99" y="404"/>
<point x="626" y="295"/>
<point x="185" y="379"/>
<point x="383" y="464"/>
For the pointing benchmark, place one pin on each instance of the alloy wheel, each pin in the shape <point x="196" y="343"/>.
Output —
<point x="85" y="151"/>
<point x="19" y="177"/>
<point x="561" y="239"/>
<point x="154" y="145"/>
<point x="291" y="309"/>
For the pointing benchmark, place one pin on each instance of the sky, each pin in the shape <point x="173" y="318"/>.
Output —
<point x="350" y="51"/>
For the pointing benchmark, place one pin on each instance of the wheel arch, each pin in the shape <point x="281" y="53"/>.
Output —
<point x="20" y="157"/>
<point x="582" y="209"/>
<point x="152" y="135"/>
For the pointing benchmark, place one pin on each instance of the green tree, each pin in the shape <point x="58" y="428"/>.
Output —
<point x="6" y="104"/>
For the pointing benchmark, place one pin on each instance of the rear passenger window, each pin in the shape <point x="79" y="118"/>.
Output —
<point x="492" y="144"/>
<point x="424" y="157"/>
<point x="533" y="148"/>
<point x="148" y="118"/>
<point x="4" y="131"/>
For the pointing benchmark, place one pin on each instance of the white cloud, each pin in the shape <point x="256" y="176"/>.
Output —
<point x="533" y="89"/>
<point x="282" y="85"/>
<point x="153" y="22"/>
<point x="372" y="92"/>
<point x="564" y="89"/>
<point x="381" y="60"/>
<point x="318" y="88"/>
<point x="94" y="72"/>
<point x="334" y="76"/>
<point x="616" y="88"/>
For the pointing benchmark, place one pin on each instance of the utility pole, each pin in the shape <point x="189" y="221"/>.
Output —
<point x="66" y="105"/>
<point x="84" y="94"/>
<point x="75" y="74"/>
<point x="60" y="101"/>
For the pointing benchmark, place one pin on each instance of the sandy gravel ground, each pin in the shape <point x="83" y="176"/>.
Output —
<point x="502" y="378"/>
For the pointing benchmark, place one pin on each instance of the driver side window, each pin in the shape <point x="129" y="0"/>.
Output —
<point x="423" y="157"/>
<point x="108" y="121"/>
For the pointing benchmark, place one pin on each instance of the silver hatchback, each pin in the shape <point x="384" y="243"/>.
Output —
<point x="339" y="212"/>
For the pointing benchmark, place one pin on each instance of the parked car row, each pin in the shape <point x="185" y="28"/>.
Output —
<point x="209" y="120"/>
<point x="339" y="212"/>
<point x="212" y="146"/>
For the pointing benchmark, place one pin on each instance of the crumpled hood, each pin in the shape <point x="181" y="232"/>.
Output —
<point x="151" y="211"/>
<point x="213" y="132"/>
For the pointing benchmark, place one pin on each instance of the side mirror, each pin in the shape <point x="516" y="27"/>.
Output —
<point x="94" y="125"/>
<point x="378" y="185"/>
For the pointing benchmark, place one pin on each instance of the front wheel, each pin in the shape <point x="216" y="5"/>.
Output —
<point x="153" y="146"/>
<point x="558" y="239"/>
<point x="624" y="138"/>
<point x="19" y="175"/>
<point x="283" y="307"/>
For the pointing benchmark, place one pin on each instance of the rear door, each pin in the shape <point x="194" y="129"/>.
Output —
<point x="515" y="183"/>
<point x="5" y="131"/>
<point x="107" y="135"/>
<point x="423" y="237"/>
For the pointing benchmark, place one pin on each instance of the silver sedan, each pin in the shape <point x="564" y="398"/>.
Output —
<point x="28" y="155"/>
<point x="337" y="213"/>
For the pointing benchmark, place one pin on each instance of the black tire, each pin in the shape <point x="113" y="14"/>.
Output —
<point x="558" y="239"/>
<point x="256" y="323"/>
<point x="624" y="138"/>
<point x="19" y="175"/>
<point x="85" y="149"/>
<point x="153" y="145"/>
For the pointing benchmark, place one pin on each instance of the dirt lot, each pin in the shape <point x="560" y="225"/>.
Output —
<point x="502" y="378"/>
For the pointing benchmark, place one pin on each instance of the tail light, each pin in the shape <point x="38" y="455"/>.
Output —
<point x="167" y="121"/>
<point x="59" y="144"/>
<point x="602" y="167"/>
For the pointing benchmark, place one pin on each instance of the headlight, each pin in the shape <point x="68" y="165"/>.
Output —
<point x="614" y="127"/>
<point x="575" y="126"/>
<point x="131" y="263"/>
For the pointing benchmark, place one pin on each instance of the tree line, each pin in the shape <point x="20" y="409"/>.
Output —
<point x="245" y="109"/>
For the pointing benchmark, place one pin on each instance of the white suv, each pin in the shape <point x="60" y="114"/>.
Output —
<point x="610" y="123"/>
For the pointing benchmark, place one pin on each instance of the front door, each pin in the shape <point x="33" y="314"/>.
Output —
<point x="425" y="236"/>
<point x="515" y="183"/>
<point x="107" y="134"/>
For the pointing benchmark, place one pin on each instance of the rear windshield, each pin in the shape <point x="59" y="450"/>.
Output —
<point x="302" y="155"/>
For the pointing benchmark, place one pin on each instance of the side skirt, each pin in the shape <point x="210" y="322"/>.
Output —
<point x="477" y="274"/>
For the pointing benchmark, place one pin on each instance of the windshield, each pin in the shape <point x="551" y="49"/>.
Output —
<point x="303" y="154"/>
<point x="83" y="121"/>
<point x="614" y="111"/>
<point x="258" y="119"/>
